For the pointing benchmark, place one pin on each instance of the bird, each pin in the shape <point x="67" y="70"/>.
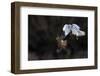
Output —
<point x="74" y="28"/>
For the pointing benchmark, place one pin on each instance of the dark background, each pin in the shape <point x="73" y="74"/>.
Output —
<point x="42" y="33"/>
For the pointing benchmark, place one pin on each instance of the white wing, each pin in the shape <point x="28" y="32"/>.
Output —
<point x="81" y="33"/>
<point x="76" y="30"/>
<point x="66" y="29"/>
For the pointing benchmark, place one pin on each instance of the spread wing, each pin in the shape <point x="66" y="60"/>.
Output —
<point x="76" y="30"/>
<point x="66" y="29"/>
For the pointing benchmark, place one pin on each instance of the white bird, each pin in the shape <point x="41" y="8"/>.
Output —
<point x="74" y="28"/>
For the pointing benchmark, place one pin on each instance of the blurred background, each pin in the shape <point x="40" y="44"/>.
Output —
<point x="42" y="33"/>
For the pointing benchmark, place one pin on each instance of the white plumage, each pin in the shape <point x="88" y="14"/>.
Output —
<point x="74" y="28"/>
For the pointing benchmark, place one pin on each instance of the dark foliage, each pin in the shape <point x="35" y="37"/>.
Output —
<point x="42" y="33"/>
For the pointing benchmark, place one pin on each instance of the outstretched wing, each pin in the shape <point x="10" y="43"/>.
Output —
<point x="66" y="29"/>
<point x="76" y="30"/>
